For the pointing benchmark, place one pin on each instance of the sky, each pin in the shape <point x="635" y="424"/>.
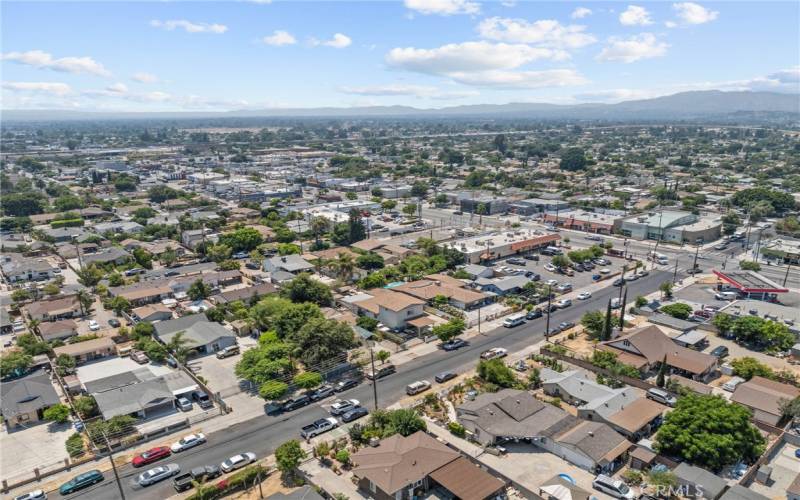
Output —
<point x="234" y="55"/>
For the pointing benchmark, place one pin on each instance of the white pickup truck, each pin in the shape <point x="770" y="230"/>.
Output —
<point x="319" y="427"/>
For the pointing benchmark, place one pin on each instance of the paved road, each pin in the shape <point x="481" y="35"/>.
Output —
<point x="263" y="435"/>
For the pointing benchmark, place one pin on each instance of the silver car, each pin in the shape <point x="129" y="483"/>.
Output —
<point x="237" y="461"/>
<point x="157" y="474"/>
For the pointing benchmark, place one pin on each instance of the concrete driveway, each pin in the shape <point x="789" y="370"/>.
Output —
<point x="40" y="445"/>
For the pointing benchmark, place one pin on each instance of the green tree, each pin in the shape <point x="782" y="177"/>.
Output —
<point x="199" y="290"/>
<point x="723" y="322"/>
<point x="288" y="457"/>
<point x="748" y="367"/>
<point x="320" y="340"/>
<point x="14" y="363"/>
<point x="496" y="372"/>
<point x="608" y="323"/>
<point x="307" y="380"/>
<point x="90" y="276"/>
<point x="218" y="253"/>
<point x="242" y="240"/>
<point x="573" y="159"/>
<point x="305" y="289"/>
<point x="65" y="364"/>
<point x="666" y="289"/>
<point x="162" y="193"/>
<point x="115" y="279"/>
<point x="120" y="304"/>
<point x="449" y="330"/>
<point x="370" y="261"/>
<point x="273" y="389"/>
<point x="561" y="261"/>
<point x="143" y="258"/>
<point x="57" y="413"/>
<point x="748" y="265"/>
<point x="748" y="328"/>
<point x="708" y="431"/>
<point x="85" y="406"/>
<point x="383" y="355"/>
<point x="594" y="324"/>
<point x="662" y="371"/>
<point x="678" y="310"/>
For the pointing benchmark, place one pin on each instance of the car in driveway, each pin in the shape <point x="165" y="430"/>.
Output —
<point x="453" y="344"/>
<point x="81" y="481"/>
<point x="157" y="474"/>
<point x="296" y="402"/>
<point x="93" y="325"/>
<point x="238" y="461"/>
<point x="720" y="352"/>
<point x="184" y="404"/>
<point x="341" y="406"/>
<point x="114" y="323"/>
<point x="150" y="456"/>
<point x="346" y="384"/>
<point x="354" y="414"/>
<point x="188" y="441"/>
<point x="584" y="295"/>
<point x="322" y="393"/>
<point x="494" y="352"/>
<point x="444" y="377"/>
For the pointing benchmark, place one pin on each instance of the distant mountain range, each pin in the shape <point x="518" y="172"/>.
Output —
<point x="708" y="104"/>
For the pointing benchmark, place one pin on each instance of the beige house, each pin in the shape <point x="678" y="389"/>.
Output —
<point x="87" y="350"/>
<point x="393" y="309"/>
<point x="765" y="398"/>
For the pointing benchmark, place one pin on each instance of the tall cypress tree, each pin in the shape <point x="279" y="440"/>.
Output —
<point x="662" y="370"/>
<point x="608" y="325"/>
<point x="622" y="314"/>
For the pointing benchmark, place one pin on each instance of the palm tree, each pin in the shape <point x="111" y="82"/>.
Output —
<point x="344" y="266"/>
<point x="481" y="211"/>
<point x="319" y="225"/>
<point x="177" y="346"/>
<point x="85" y="301"/>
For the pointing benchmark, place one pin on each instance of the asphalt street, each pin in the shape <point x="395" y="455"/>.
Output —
<point x="262" y="435"/>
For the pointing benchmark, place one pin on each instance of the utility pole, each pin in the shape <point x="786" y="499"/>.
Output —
<point x="675" y="273"/>
<point x="694" y="263"/>
<point x="786" y="276"/>
<point x="114" y="466"/>
<point x="374" y="377"/>
<point x="479" y="316"/>
<point x="547" y="324"/>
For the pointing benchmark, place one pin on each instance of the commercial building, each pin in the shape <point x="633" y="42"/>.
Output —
<point x="498" y="245"/>
<point x="491" y="206"/>
<point x="672" y="226"/>
<point x="581" y="220"/>
<point x="532" y="206"/>
<point x="786" y="250"/>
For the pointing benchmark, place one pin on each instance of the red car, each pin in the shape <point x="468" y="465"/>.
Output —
<point x="151" y="456"/>
<point x="703" y="314"/>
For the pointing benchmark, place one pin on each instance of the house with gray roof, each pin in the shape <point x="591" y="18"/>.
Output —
<point x="24" y="400"/>
<point x="138" y="400"/>
<point x="111" y="254"/>
<point x="290" y="263"/>
<point x="503" y="286"/>
<point x="203" y="336"/>
<point x="700" y="482"/>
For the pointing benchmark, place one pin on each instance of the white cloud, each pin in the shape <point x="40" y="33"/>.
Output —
<point x="546" y="32"/>
<point x="616" y="95"/>
<point x="279" y="38"/>
<point x="635" y="15"/>
<point x="469" y="56"/>
<point x="339" y="41"/>
<point x="791" y="75"/>
<point x="189" y="26"/>
<point x="117" y="88"/>
<point x="43" y="60"/>
<point x="508" y="3"/>
<point x="443" y="7"/>
<point x="634" y="48"/>
<point x="670" y="24"/>
<point x="521" y="79"/>
<point x="420" y="91"/>
<point x="144" y="77"/>
<point x="580" y="13"/>
<point x="692" y="13"/>
<point x="52" y="88"/>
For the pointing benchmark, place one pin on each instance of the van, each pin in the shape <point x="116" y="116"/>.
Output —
<point x="553" y="251"/>
<point x="726" y="295"/>
<point x="228" y="351"/>
<point x="661" y="396"/>
<point x="613" y="487"/>
<point x="732" y="384"/>
<point x="380" y="371"/>
<point x="124" y="351"/>
<point x="514" y="320"/>
<point x="417" y="387"/>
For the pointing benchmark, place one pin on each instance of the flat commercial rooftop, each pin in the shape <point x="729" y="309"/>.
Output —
<point x="749" y="282"/>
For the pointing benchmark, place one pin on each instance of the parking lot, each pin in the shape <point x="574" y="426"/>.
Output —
<point x="578" y="280"/>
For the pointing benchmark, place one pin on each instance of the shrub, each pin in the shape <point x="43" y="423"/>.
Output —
<point x="343" y="457"/>
<point x="57" y="413"/>
<point x="74" y="445"/>
<point x="457" y="429"/>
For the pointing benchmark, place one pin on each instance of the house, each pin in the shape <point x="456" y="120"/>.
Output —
<point x="193" y="237"/>
<point x="16" y="268"/>
<point x="244" y="294"/>
<point x="57" y="329"/>
<point x="393" y="309"/>
<point x="456" y="292"/>
<point x="24" y="400"/>
<point x="116" y="255"/>
<point x="140" y="399"/>
<point x="293" y="264"/>
<point x="144" y="292"/>
<point x="203" y="336"/>
<point x="151" y="313"/>
<point x="87" y="350"/>
<point x="55" y="309"/>
<point x="764" y="397"/>
<point x="119" y="227"/>
<point x="648" y="346"/>
<point x="503" y="286"/>
<point x="403" y="468"/>
<point x="739" y="492"/>
<point x="476" y="271"/>
<point x="699" y="482"/>
<point x="514" y="414"/>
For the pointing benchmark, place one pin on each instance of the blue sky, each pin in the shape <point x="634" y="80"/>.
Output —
<point x="148" y="56"/>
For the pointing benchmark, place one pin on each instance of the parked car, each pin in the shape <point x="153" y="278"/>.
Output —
<point x="381" y="371"/>
<point x="322" y="393"/>
<point x="588" y="265"/>
<point x="551" y="282"/>
<point x="93" y="325"/>
<point x="341" y="406"/>
<point x="531" y="257"/>
<point x="202" y="399"/>
<point x="157" y="474"/>
<point x="550" y="267"/>
<point x="296" y="402"/>
<point x="584" y="295"/>
<point x="227" y="352"/>
<point x="661" y="396"/>
<point x="354" y="414"/>
<point x="346" y="384"/>
<point x="453" y="344"/>
<point x="237" y="461"/>
<point x="618" y="281"/>
<point x="720" y="352"/>
<point x="597" y="277"/>
<point x="494" y="352"/>
<point x="205" y="472"/>
<point x="32" y="495"/>
<point x="703" y="314"/>
<point x="184" y="404"/>
<point x="114" y="323"/>
<point x="319" y="427"/>
<point x="444" y="377"/>
<point x="564" y="287"/>
<point x="517" y="261"/>
<point x="253" y="265"/>
<point x="564" y="303"/>
<point x="188" y="441"/>
<point x="613" y="487"/>
<point x="150" y="456"/>
<point x="81" y="481"/>
<point x="240" y="255"/>
<point x="534" y="313"/>
<point x="579" y="267"/>
<point x="566" y="325"/>
<point x="642" y="273"/>
<point x="417" y="387"/>
<point x="183" y="482"/>
<point x="140" y="357"/>
<point x="605" y="270"/>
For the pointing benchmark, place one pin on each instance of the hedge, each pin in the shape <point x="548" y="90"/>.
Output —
<point x="66" y="223"/>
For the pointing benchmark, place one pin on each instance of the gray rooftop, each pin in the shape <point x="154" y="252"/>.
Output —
<point x="27" y="394"/>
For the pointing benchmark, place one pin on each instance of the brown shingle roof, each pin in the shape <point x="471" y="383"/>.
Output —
<point x="428" y="289"/>
<point x="393" y="301"/>
<point x="764" y="394"/>
<point x="84" y="347"/>
<point x="653" y="344"/>
<point x="467" y="481"/>
<point x="637" y="414"/>
<point x="53" y="307"/>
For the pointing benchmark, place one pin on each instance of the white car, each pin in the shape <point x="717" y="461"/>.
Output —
<point x="157" y="474"/>
<point x="237" y="461"/>
<point x="605" y="270"/>
<point x="93" y="326"/>
<point x="551" y="282"/>
<point x="584" y="295"/>
<point x="187" y="442"/>
<point x="494" y="352"/>
<point x="33" y="495"/>
<point x="550" y="267"/>
<point x="342" y="406"/>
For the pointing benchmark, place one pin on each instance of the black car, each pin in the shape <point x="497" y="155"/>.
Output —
<point x="619" y="282"/>
<point x="719" y="352"/>
<point x="205" y="473"/>
<point x="566" y="325"/>
<point x="253" y="265"/>
<point x="579" y="267"/>
<point x="295" y="403"/>
<point x="530" y="257"/>
<point x="532" y="276"/>
<point x="445" y="376"/>
<point x="114" y="322"/>
<point x="346" y="384"/>
<point x="553" y="308"/>
<point x="588" y="266"/>
<point x="534" y="313"/>
<point x="355" y="414"/>
<point x="555" y="330"/>
<point x="322" y="393"/>
<point x="452" y="345"/>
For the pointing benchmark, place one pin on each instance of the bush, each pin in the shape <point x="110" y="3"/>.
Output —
<point x="74" y="445"/>
<point x="678" y="310"/>
<point x="496" y="372"/>
<point x="343" y="457"/>
<point x="58" y="413"/>
<point x="457" y="429"/>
